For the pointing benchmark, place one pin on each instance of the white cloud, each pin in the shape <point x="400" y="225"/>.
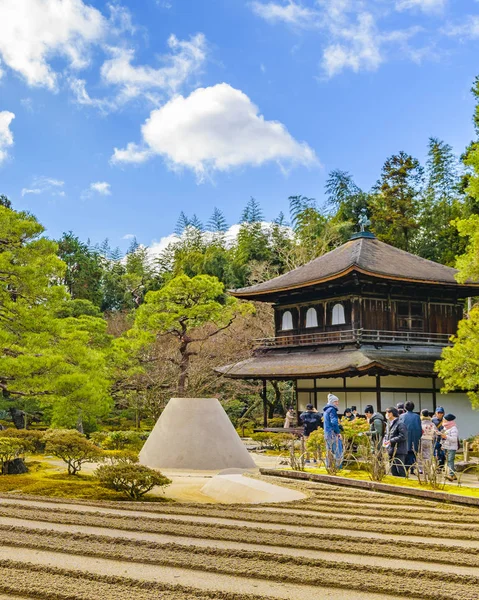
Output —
<point x="291" y="13"/>
<point x="469" y="29"/>
<point x="6" y="135"/>
<point x="359" y="48"/>
<point x="128" y="236"/>
<point x="156" y="248"/>
<point x="215" y="128"/>
<point x="32" y="32"/>
<point x="101" y="187"/>
<point x="350" y="36"/>
<point x="43" y="184"/>
<point x="131" y="154"/>
<point x="424" y="5"/>
<point x="185" y="60"/>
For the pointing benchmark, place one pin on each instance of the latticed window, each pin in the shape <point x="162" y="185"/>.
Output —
<point x="287" y="321"/>
<point x="311" y="317"/>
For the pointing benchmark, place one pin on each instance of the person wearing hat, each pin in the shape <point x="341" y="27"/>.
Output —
<point x="348" y="414"/>
<point x="438" y="420"/>
<point x="332" y="432"/>
<point x="450" y="443"/>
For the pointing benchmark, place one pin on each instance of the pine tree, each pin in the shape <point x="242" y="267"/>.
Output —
<point x="217" y="222"/>
<point x="252" y="212"/>
<point x="181" y="224"/>
<point x="196" y="223"/>
<point x="394" y="207"/>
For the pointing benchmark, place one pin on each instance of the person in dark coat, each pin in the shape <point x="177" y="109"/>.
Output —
<point x="414" y="434"/>
<point x="348" y="414"/>
<point x="395" y="441"/>
<point x="311" y="420"/>
<point x="438" y="420"/>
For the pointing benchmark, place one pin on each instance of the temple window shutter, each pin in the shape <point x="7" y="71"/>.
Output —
<point x="338" y="315"/>
<point x="311" y="318"/>
<point x="287" y="321"/>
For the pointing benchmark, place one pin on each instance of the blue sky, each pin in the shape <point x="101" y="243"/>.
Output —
<point x="114" y="116"/>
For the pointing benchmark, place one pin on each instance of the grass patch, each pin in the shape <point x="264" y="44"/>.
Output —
<point x="45" y="480"/>
<point x="398" y="481"/>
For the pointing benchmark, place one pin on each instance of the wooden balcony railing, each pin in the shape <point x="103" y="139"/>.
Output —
<point x="365" y="336"/>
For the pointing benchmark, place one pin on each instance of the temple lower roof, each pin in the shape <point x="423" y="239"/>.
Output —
<point x="338" y="363"/>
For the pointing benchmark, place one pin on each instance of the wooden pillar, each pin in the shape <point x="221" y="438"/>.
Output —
<point x="378" y="393"/>
<point x="434" y="397"/>
<point x="296" y="400"/>
<point x="265" y="405"/>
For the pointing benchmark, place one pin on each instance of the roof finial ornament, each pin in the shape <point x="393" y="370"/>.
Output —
<point x="363" y="222"/>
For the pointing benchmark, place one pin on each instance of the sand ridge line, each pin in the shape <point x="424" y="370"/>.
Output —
<point x="426" y="586"/>
<point x="422" y="551"/>
<point x="459" y="521"/>
<point x="125" y="547"/>
<point x="194" y="584"/>
<point x="385" y="526"/>
<point x="446" y="509"/>
<point x="172" y="525"/>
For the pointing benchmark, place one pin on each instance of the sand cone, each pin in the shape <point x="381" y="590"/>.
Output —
<point x="195" y="434"/>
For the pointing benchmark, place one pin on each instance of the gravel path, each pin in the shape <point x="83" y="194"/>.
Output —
<point x="335" y="544"/>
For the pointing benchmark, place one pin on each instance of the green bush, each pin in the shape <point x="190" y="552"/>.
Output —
<point x="265" y="439"/>
<point x="10" y="448"/>
<point x="33" y="439"/>
<point x="119" y="440"/>
<point x="281" y="441"/>
<point x="234" y="409"/>
<point x="276" y="422"/>
<point x="133" y="480"/>
<point x="72" y="447"/>
<point x="115" y="457"/>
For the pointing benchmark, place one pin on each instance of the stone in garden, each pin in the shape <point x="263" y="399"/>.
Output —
<point x="195" y="434"/>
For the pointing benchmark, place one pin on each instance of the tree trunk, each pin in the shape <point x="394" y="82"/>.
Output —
<point x="184" y="366"/>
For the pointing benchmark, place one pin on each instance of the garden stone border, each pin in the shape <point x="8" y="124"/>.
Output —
<point x="373" y="486"/>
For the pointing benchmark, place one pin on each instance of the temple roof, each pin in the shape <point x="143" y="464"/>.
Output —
<point x="339" y="363"/>
<point x="364" y="254"/>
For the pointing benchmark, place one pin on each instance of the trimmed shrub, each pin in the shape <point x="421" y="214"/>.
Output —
<point x="34" y="440"/>
<point x="265" y="439"/>
<point x="72" y="447"/>
<point x="119" y="440"/>
<point x="276" y="422"/>
<point x="10" y="449"/>
<point x="115" y="457"/>
<point x="133" y="480"/>
<point x="281" y="441"/>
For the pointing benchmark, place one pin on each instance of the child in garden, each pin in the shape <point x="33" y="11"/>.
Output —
<point x="429" y="433"/>
<point x="450" y="443"/>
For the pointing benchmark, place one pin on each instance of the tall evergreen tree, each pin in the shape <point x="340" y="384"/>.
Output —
<point x="394" y="207"/>
<point x="217" y="222"/>
<point x="441" y="203"/>
<point x="252" y="212"/>
<point x="84" y="271"/>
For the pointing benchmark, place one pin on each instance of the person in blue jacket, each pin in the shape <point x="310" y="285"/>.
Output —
<point x="332" y="432"/>
<point x="414" y="434"/>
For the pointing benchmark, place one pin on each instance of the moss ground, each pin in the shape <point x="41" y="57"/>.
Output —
<point x="46" y="479"/>
<point x="461" y="490"/>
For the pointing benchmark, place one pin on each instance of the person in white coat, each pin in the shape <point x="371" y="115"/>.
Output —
<point x="450" y="443"/>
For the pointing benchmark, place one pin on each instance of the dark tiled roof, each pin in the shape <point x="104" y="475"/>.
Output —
<point x="294" y="364"/>
<point x="364" y="254"/>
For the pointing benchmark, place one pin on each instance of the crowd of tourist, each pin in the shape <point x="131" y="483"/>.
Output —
<point x="410" y="439"/>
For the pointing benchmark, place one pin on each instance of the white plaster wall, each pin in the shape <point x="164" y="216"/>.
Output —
<point x="467" y="418"/>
